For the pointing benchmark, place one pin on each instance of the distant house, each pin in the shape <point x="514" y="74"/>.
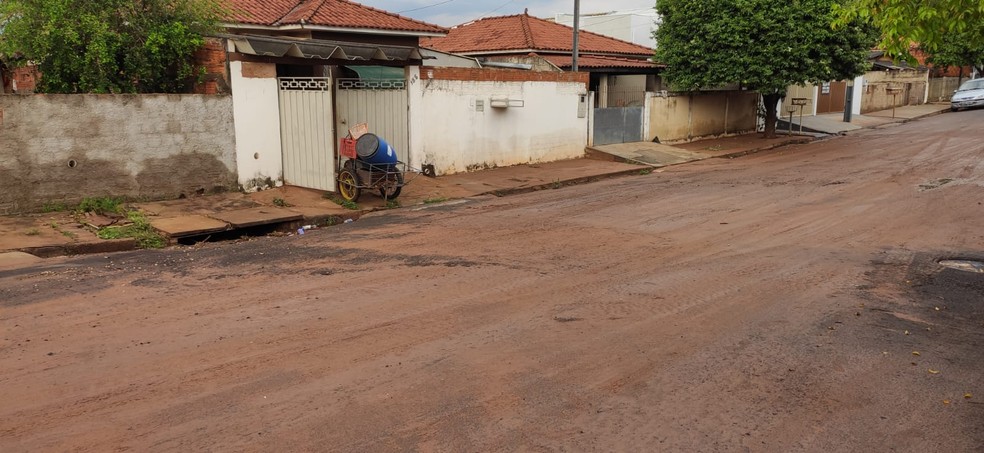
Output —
<point x="886" y="84"/>
<point x="631" y="102"/>
<point x="621" y="71"/>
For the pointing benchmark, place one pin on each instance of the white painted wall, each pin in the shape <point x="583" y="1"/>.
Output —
<point x="256" y="112"/>
<point x="633" y="25"/>
<point x="449" y="132"/>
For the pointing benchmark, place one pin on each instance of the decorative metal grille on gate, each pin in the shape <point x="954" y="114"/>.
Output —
<point x="305" y="83"/>
<point x="372" y="84"/>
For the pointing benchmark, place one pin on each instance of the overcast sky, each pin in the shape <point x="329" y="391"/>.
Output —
<point x="454" y="12"/>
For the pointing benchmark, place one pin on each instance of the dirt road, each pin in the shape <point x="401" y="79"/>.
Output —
<point x="784" y="301"/>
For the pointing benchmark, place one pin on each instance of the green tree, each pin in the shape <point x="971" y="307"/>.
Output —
<point x="765" y="45"/>
<point x="929" y="23"/>
<point x="108" y="46"/>
<point x="957" y="49"/>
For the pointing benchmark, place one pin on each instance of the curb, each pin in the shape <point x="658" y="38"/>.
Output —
<point x="798" y="141"/>
<point x="559" y="184"/>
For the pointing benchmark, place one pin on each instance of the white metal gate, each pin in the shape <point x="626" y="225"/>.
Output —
<point x="306" y="132"/>
<point x="382" y="103"/>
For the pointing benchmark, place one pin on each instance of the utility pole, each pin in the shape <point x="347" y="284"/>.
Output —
<point x="577" y="19"/>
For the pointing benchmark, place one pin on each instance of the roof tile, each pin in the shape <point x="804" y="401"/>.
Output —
<point x="522" y="32"/>
<point x="328" y="13"/>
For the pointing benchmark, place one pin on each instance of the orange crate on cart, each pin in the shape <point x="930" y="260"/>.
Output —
<point x="347" y="148"/>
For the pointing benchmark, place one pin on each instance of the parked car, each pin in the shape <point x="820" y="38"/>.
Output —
<point x="970" y="94"/>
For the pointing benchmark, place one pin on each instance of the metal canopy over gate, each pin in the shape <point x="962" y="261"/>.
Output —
<point x="306" y="132"/>
<point x="381" y="103"/>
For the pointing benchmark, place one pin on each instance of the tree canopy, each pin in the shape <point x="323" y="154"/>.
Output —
<point x="932" y="25"/>
<point x="764" y="45"/>
<point x="108" y="46"/>
<point x="958" y="50"/>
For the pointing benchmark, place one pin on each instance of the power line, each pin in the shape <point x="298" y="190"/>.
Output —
<point x="494" y="10"/>
<point x="425" y="7"/>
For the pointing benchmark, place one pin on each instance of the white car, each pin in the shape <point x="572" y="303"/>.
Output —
<point x="970" y="94"/>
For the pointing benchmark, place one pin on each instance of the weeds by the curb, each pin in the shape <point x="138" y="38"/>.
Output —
<point x="347" y="204"/>
<point x="139" y="228"/>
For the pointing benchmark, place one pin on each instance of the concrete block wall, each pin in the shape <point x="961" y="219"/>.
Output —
<point x="62" y="148"/>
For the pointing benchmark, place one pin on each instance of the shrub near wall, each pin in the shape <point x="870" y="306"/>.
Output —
<point x="62" y="148"/>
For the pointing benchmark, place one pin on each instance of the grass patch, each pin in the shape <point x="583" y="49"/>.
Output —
<point x="139" y="228"/>
<point x="392" y="204"/>
<point x="645" y="171"/>
<point x="102" y="205"/>
<point x="556" y="184"/>
<point x="280" y="202"/>
<point x="435" y="200"/>
<point x="347" y="204"/>
<point x="56" y="206"/>
<point x="33" y="232"/>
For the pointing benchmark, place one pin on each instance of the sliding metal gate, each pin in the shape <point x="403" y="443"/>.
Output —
<point x="306" y="132"/>
<point x="382" y="103"/>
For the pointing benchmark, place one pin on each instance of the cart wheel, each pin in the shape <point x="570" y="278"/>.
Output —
<point x="348" y="185"/>
<point x="391" y="195"/>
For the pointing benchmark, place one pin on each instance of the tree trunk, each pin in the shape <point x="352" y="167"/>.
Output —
<point x="771" y="102"/>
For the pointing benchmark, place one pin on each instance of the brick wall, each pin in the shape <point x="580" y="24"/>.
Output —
<point x="212" y="57"/>
<point x="501" y="75"/>
<point x="25" y="79"/>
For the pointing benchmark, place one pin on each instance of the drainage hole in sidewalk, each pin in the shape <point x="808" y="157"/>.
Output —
<point x="233" y="235"/>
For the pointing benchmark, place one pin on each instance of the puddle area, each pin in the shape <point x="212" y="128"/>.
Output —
<point x="964" y="265"/>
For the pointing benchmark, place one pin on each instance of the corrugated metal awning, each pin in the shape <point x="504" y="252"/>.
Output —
<point x="269" y="46"/>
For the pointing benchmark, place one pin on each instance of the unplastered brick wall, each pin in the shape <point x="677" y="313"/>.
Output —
<point x="62" y="148"/>
<point x="502" y="75"/>
<point x="212" y="59"/>
<point x="25" y="79"/>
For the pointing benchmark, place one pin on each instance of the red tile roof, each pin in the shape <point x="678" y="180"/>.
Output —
<point x="524" y="32"/>
<point x="599" y="61"/>
<point x="328" y="13"/>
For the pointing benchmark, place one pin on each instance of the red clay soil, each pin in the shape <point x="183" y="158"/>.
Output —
<point x="784" y="301"/>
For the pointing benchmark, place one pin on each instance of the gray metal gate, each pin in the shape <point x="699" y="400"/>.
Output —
<point x="617" y="125"/>
<point x="307" y="135"/>
<point x="382" y="103"/>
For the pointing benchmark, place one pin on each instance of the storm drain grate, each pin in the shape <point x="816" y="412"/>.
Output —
<point x="964" y="265"/>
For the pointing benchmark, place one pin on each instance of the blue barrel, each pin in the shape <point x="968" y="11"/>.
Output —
<point x="374" y="150"/>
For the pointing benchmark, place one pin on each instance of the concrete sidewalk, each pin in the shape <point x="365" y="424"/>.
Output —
<point x="833" y="123"/>
<point x="285" y="209"/>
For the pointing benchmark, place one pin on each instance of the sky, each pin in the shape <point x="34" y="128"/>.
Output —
<point x="454" y="12"/>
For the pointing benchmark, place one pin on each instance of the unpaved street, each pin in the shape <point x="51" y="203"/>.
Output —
<point x="784" y="301"/>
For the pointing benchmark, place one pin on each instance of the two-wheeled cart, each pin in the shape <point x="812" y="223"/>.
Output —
<point x="370" y="164"/>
